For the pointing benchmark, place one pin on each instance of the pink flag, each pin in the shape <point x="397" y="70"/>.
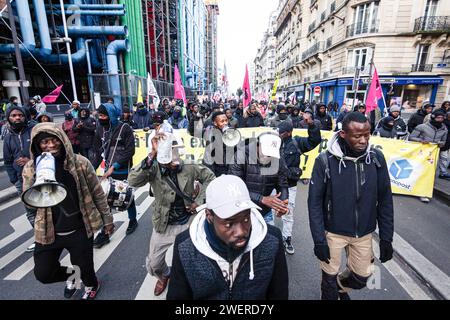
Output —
<point x="375" y="93"/>
<point x="52" y="96"/>
<point x="246" y="89"/>
<point x="179" y="89"/>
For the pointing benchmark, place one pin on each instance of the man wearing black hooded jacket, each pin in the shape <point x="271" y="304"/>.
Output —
<point x="85" y="126"/>
<point x="16" y="151"/>
<point x="349" y="194"/>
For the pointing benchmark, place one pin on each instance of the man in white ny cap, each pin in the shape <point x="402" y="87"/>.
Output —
<point x="229" y="252"/>
<point x="262" y="168"/>
<point x="176" y="199"/>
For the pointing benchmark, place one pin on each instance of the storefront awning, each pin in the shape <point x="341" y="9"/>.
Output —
<point x="328" y="83"/>
<point x="397" y="80"/>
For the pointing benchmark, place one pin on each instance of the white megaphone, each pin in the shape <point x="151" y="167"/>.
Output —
<point x="46" y="191"/>
<point x="231" y="137"/>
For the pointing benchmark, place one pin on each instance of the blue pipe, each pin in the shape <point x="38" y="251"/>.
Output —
<point x="44" y="33"/>
<point x="113" y="67"/>
<point x="94" y="31"/>
<point x="94" y="12"/>
<point x="26" y="28"/>
<point x="96" y="6"/>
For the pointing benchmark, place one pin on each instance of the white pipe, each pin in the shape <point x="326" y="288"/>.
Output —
<point x="69" y="53"/>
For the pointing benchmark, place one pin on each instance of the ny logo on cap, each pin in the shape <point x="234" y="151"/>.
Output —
<point x="233" y="190"/>
<point x="274" y="144"/>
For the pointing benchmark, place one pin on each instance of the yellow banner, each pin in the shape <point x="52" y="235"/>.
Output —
<point x="411" y="165"/>
<point x="275" y="87"/>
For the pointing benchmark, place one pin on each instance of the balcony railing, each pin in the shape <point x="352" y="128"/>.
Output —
<point x="318" y="47"/>
<point x="432" y="24"/>
<point x="323" y="16"/>
<point x="329" y="43"/>
<point x="351" y="70"/>
<point x="421" y="68"/>
<point x="357" y="29"/>
<point x="311" y="27"/>
<point x="333" y="6"/>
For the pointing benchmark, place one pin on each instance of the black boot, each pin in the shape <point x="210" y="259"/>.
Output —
<point x="132" y="225"/>
<point x="329" y="287"/>
<point x="101" y="239"/>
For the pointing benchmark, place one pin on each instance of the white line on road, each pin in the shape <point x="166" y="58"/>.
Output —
<point x="437" y="279"/>
<point x="21" y="271"/>
<point x="21" y="225"/>
<point x="9" y="204"/>
<point x="8" y="191"/>
<point x="410" y="286"/>
<point x="148" y="286"/>
<point x="14" y="254"/>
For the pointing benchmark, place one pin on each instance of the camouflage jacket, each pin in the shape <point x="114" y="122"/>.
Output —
<point x="142" y="174"/>
<point x="93" y="204"/>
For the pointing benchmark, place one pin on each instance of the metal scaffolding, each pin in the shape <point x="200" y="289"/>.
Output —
<point x="161" y="37"/>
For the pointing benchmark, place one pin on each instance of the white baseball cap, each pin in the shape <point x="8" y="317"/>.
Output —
<point x="270" y="144"/>
<point x="227" y="196"/>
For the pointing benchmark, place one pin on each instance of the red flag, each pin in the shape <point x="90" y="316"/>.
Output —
<point x="375" y="93"/>
<point x="52" y="96"/>
<point x="246" y="89"/>
<point x="179" y="89"/>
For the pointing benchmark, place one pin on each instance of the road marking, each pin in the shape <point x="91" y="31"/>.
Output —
<point x="21" y="271"/>
<point x="410" y="286"/>
<point x="432" y="274"/>
<point x="14" y="254"/>
<point x="148" y="286"/>
<point x="100" y="255"/>
<point x="9" y="204"/>
<point x="21" y="225"/>
<point x="8" y="191"/>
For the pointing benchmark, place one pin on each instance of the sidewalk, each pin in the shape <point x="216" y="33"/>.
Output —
<point x="442" y="190"/>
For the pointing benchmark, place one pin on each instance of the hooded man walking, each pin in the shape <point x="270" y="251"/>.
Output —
<point x="114" y="143"/>
<point x="72" y="223"/>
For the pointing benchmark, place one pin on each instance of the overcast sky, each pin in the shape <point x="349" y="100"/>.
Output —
<point x="241" y="25"/>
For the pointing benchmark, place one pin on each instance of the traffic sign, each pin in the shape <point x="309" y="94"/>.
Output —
<point x="15" y="83"/>
<point x="441" y="65"/>
<point x="317" y="91"/>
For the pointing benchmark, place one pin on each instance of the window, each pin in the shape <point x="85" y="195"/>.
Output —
<point x="365" y="19"/>
<point x="430" y="13"/>
<point x="359" y="57"/>
<point x="422" y="54"/>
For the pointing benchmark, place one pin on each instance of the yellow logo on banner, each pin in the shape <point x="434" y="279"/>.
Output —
<point x="411" y="165"/>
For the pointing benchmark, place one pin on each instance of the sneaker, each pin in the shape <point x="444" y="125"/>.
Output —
<point x="288" y="246"/>
<point x="444" y="175"/>
<point x="425" y="199"/>
<point x="132" y="225"/>
<point x="101" y="239"/>
<point x="70" y="289"/>
<point x="90" y="293"/>
<point x="31" y="247"/>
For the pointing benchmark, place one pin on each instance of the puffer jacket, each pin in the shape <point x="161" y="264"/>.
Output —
<point x="143" y="120"/>
<point x="142" y="174"/>
<point x="261" y="180"/>
<point x="92" y="200"/>
<point x="116" y="143"/>
<point x="426" y="132"/>
<point x="200" y="273"/>
<point x="16" y="145"/>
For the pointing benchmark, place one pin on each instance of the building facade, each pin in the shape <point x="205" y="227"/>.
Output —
<point x="192" y="31"/>
<point x="325" y="43"/>
<point x="265" y="62"/>
<point x="212" y="8"/>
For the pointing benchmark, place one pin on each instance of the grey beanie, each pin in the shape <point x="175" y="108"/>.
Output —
<point x="394" y="108"/>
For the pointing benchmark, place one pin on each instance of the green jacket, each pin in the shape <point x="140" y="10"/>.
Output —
<point x="140" y="175"/>
<point x="93" y="204"/>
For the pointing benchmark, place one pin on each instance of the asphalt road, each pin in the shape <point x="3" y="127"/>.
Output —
<point x="121" y="269"/>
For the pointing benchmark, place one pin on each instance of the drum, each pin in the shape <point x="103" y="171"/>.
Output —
<point x="119" y="194"/>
